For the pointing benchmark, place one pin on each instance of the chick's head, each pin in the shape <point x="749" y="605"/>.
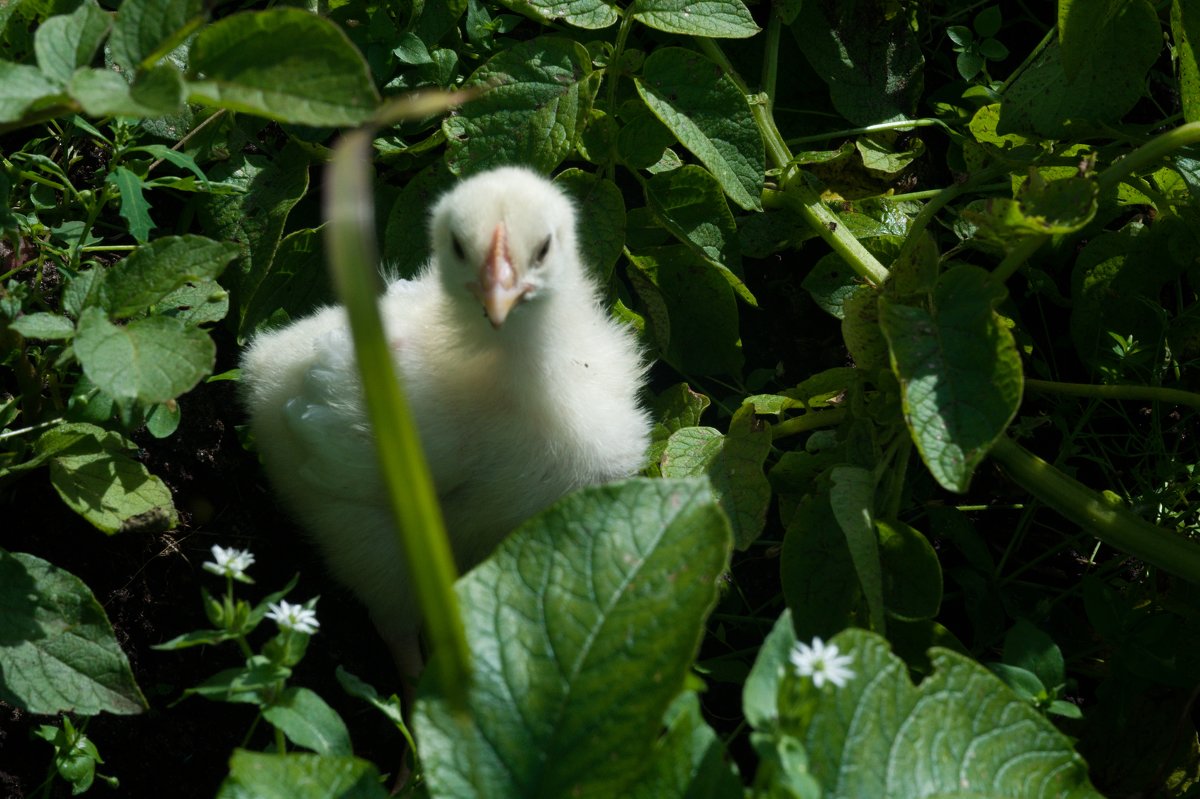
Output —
<point x="503" y="238"/>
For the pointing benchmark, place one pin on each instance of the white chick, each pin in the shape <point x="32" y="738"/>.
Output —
<point x="521" y="386"/>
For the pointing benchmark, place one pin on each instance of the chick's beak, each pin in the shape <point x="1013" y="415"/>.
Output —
<point x="499" y="287"/>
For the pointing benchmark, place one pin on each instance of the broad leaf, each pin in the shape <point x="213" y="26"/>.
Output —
<point x="149" y="360"/>
<point x="688" y="761"/>
<point x="154" y="270"/>
<point x="284" y="64"/>
<point x="538" y="97"/>
<point x="589" y="14"/>
<point x="58" y="653"/>
<point x="585" y="622"/>
<point x="960" y="733"/>
<point x="68" y="41"/>
<point x="712" y="18"/>
<point x="912" y="575"/>
<point x="852" y="499"/>
<point x="20" y="87"/>
<point x="93" y="473"/>
<point x="1185" y="30"/>
<point x="959" y="371"/>
<point x="145" y="29"/>
<point x="705" y="110"/>
<point x="308" y="721"/>
<point x="602" y="236"/>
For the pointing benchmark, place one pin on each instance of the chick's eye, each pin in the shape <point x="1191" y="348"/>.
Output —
<point x="542" y="251"/>
<point x="457" y="245"/>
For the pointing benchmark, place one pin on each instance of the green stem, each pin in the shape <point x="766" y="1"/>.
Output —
<point x="1151" y="393"/>
<point x="1112" y="524"/>
<point x="422" y="533"/>
<point x="770" y="73"/>
<point x="903" y="124"/>
<point x="1149" y="153"/>
<point x="809" y="421"/>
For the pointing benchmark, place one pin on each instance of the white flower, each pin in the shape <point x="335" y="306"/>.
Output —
<point x="230" y="563"/>
<point x="821" y="662"/>
<point x="293" y="617"/>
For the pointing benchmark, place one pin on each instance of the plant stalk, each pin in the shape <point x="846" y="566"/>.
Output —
<point x="422" y="533"/>
<point x="1112" y="524"/>
<point x="1149" y="393"/>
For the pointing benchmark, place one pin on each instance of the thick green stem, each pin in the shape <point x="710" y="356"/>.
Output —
<point x="809" y="421"/>
<point x="1112" y="524"/>
<point x="1149" y="393"/>
<point x="422" y="533"/>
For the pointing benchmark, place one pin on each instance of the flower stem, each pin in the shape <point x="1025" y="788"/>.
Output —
<point x="1112" y="524"/>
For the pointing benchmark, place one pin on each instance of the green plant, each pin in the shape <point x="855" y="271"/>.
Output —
<point x="857" y="436"/>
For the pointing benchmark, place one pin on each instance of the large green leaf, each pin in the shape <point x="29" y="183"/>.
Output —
<point x="602" y="237"/>
<point x="689" y="202"/>
<point x="145" y="29"/>
<point x="590" y="14"/>
<point x="867" y="53"/>
<point x="701" y="325"/>
<point x="149" y="360"/>
<point x="712" y="18"/>
<point x="284" y="64"/>
<point x="155" y="92"/>
<point x="67" y="41"/>
<point x="852" y="499"/>
<point x="709" y="115"/>
<point x="1185" y="30"/>
<point x="93" y="472"/>
<point x="154" y="270"/>
<point x="1109" y="64"/>
<point x="584" y="623"/>
<point x="961" y="733"/>
<point x="959" y="370"/>
<point x="21" y="86"/>
<point x="538" y="95"/>
<point x="58" y="652"/>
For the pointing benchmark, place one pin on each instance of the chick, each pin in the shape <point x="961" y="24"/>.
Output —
<point x="521" y="385"/>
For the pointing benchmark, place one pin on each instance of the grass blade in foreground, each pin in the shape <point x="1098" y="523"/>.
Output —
<point x="402" y="462"/>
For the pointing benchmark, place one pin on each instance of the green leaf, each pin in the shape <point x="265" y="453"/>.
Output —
<point x="94" y="476"/>
<point x="960" y="733"/>
<point x="538" y="98"/>
<point x="284" y="64"/>
<point x="194" y="304"/>
<point x="296" y="284"/>
<point x="852" y="499"/>
<point x="1030" y="648"/>
<point x="154" y="93"/>
<point x="734" y="466"/>
<point x="602" y="239"/>
<point x="589" y="14"/>
<point x="149" y="29"/>
<point x="1185" y="30"/>
<point x="154" y="270"/>
<point x="21" y="86"/>
<point x="406" y="244"/>
<point x="359" y="688"/>
<point x="255" y="217"/>
<point x="867" y="54"/>
<point x="149" y="360"/>
<point x="760" y="693"/>
<point x="702" y="320"/>
<point x="689" y="202"/>
<point x="959" y="370"/>
<point x="68" y="41"/>
<point x="308" y="721"/>
<point x="255" y="775"/>
<point x="820" y="583"/>
<point x="688" y="761"/>
<point x="58" y="653"/>
<point x="42" y="325"/>
<point x="586" y="620"/>
<point x="1109" y="77"/>
<point x="912" y="574"/>
<point x="135" y="210"/>
<point x="705" y="110"/>
<point x="713" y="18"/>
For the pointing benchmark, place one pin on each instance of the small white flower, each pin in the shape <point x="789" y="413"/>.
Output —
<point x="293" y="617"/>
<point x="230" y="563"/>
<point x="822" y="662"/>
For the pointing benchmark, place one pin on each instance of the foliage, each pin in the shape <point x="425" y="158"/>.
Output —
<point x="1008" y="203"/>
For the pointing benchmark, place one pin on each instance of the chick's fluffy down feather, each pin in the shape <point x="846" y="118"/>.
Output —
<point x="512" y="413"/>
